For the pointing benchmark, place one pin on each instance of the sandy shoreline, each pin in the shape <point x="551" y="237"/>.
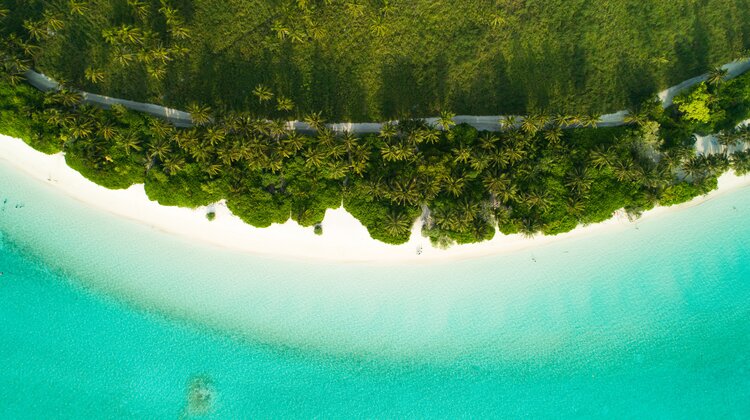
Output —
<point x="344" y="239"/>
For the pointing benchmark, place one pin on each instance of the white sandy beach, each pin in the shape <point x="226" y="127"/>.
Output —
<point x="344" y="239"/>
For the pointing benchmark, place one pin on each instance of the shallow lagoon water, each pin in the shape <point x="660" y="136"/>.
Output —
<point x="106" y="317"/>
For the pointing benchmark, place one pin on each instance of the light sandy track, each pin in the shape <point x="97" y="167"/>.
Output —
<point x="482" y="123"/>
<point x="176" y="117"/>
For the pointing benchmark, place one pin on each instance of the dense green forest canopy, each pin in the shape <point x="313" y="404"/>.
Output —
<point x="539" y="176"/>
<point x="370" y="60"/>
<point x="548" y="172"/>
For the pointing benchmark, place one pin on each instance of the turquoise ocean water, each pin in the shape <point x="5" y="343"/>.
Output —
<point x="102" y="317"/>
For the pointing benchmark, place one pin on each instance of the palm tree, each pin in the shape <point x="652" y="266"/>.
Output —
<point x="325" y="137"/>
<point x="81" y="129"/>
<point x="295" y="141"/>
<point x="64" y="97"/>
<point x="741" y="162"/>
<point x="487" y="141"/>
<point x="445" y="219"/>
<point x="355" y="9"/>
<point x="508" y="122"/>
<point x="201" y="154"/>
<point x="462" y="154"/>
<point x="623" y="168"/>
<point x="337" y="151"/>
<point x="405" y="151"/>
<point x="123" y="58"/>
<point x="78" y="7"/>
<point x="498" y="21"/>
<point x="716" y="76"/>
<point x="397" y="223"/>
<point x="538" y="200"/>
<point x="579" y="180"/>
<point x="431" y="136"/>
<point x="336" y="170"/>
<point x="508" y="193"/>
<point x="160" y="54"/>
<point x="591" y="120"/>
<point x="215" y="135"/>
<point x="374" y="188"/>
<point x="212" y="169"/>
<point x="479" y="161"/>
<point x="54" y="117"/>
<point x="157" y="72"/>
<point x="388" y="131"/>
<point x="529" y="227"/>
<point x="277" y="128"/>
<point x="350" y="141"/>
<point x="160" y="128"/>
<point x="140" y="8"/>
<point x="93" y="75"/>
<point x="499" y="158"/>
<point x="130" y="142"/>
<point x="469" y="210"/>
<point x="514" y="153"/>
<point x="226" y="156"/>
<point x="36" y="29"/>
<point x="16" y="65"/>
<point x="497" y="184"/>
<point x="281" y="30"/>
<point x="359" y="159"/>
<point x="554" y="135"/>
<point x="693" y="168"/>
<point x="542" y="120"/>
<point x="158" y="147"/>
<point x="727" y="139"/>
<point x="390" y="153"/>
<point x="52" y="22"/>
<point x="378" y="28"/>
<point x="28" y="48"/>
<point x="575" y="206"/>
<point x="284" y="104"/>
<point x="314" y="157"/>
<point x="107" y="131"/>
<point x="110" y="36"/>
<point x="199" y="114"/>
<point x="169" y="13"/>
<point x="178" y="31"/>
<point x="386" y="8"/>
<point x="186" y="139"/>
<point x="601" y="157"/>
<point x="172" y="165"/>
<point x="404" y="192"/>
<point x="454" y="184"/>
<point x="742" y="54"/>
<point x="446" y="120"/>
<point x="636" y="117"/>
<point x="430" y="187"/>
<point x="315" y="120"/>
<point x="128" y="34"/>
<point x="529" y="125"/>
<point x="263" y="93"/>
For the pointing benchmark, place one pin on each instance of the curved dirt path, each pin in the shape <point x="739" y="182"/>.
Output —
<point x="176" y="117"/>
<point x="486" y="123"/>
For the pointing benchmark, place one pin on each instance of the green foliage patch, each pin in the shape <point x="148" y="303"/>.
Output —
<point x="381" y="59"/>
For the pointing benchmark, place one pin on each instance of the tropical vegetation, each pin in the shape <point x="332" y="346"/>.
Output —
<point x="548" y="172"/>
<point x="374" y="60"/>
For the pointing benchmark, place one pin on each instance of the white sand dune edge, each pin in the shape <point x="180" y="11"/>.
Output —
<point x="344" y="239"/>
